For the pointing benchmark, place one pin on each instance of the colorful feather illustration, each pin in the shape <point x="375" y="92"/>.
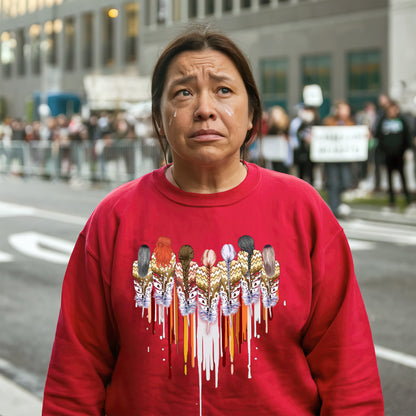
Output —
<point x="230" y="274"/>
<point x="270" y="278"/>
<point x="163" y="264"/>
<point x="208" y="282"/>
<point x="185" y="275"/>
<point x="142" y="278"/>
<point x="251" y="266"/>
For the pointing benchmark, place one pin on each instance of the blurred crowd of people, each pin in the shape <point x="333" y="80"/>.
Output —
<point x="391" y="134"/>
<point x="107" y="136"/>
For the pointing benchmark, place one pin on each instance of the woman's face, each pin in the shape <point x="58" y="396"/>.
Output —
<point x="204" y="108"/>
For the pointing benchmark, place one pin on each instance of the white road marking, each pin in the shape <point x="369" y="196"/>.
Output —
<point x="41" y="246"/>
<point x="16" y="401"/>
<point x="395" y="356"/>
<point x="379" y="232"/>
<point x="5" y="257"/>
<point x="358" y="245"/>
<point x="15" y="210"/>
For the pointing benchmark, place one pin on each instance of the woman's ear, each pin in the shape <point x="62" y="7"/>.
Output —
<point x="159" y="126"/>
<point x="250" y="119"/>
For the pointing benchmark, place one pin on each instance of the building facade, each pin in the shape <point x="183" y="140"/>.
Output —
<point x="353" y="49"/>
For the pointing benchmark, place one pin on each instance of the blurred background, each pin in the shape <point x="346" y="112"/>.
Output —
<point x="75" y="123"/>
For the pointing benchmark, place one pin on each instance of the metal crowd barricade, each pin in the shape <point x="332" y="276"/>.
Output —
<point x="109" y="161"/>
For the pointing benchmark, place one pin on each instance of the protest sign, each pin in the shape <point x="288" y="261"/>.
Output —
<point x="275" y="148"/>
<point x="339" y="144"/>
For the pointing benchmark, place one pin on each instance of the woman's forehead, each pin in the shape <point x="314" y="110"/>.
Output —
<point x="207" y="61"/>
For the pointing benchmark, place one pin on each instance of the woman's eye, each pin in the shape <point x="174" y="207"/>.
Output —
<point x="183" y="93"/>
<point x="224" y="90"/>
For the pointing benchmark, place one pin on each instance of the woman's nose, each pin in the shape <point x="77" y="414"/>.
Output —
<point x="205" y="107"/>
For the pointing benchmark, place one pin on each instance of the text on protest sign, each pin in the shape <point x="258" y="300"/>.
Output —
<point x="339" y="144"/>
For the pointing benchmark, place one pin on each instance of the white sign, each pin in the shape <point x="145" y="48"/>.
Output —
<point x="274" y="148"/>
<point x="312" y="95"/>
<point x="339" y="144"/>
<point x="109" y="91"/>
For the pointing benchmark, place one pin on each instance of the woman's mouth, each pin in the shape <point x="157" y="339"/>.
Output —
<point x="205" y="135"/>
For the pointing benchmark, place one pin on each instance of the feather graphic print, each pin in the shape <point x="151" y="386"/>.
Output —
<point x="251" y="267"/>
<point x="185" y="275"/>
<point x="208" y="282"/>
<point x="163" y="264"/>
<point x="270" y="278"/>
<point x="230" y="275"/>
<point x="142" y="278"/>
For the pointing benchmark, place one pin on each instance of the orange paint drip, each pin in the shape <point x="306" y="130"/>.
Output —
<point x="232" y="345"/>
<point x="185" y="342"/>
<point x="192" y="342"/>
<point x="176" y="316"/>
<point x="149" y="314"/>
<point x="266" y="320"/>
<point x="226" y="332"/>
<point x="171" y="335"/>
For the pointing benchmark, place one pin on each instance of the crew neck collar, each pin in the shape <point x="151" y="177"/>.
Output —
<point x="228" y="197"/>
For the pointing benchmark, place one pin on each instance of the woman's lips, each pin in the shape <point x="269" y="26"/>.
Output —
<point x="206" y="135"/>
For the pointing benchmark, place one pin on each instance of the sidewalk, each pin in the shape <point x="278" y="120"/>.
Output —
<point x="374" y="207"/>
<point x="16" y="401"/>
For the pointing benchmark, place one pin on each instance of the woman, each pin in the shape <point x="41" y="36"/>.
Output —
<point x="253" y="308"/>
<point x="338" y="174"/>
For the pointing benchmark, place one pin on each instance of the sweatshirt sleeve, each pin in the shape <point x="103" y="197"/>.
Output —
<point x="338" y="342"/>
<point x="84" y="349"/>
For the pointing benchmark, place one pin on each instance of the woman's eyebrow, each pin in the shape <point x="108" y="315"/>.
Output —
<point x="182" y="80"/>
<point x="190" y="78"/>
<point x="220" y="77"/>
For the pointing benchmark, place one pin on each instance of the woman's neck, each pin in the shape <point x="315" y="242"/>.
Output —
<point x="206" y="179"/>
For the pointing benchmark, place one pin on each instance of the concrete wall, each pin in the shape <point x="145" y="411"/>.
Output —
<point x="402" y="52"/>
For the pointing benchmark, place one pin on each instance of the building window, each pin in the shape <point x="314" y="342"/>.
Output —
<point x="274" y="81"/>
<point x="34" y="34"/>
<point x="8" y="45"/>
<point x="22" y="7"/>
<point x="227" y="5"/>
<point x="51" y="30"/>
<point x="161" y="11"/>
<point x="108" y="38"/>
<point x="131" y="31"/>
<point x="176" y="10"/>
<point x="192" y="8"/>
<point x="245" y="4"/>
<point x="209" y="7"/>
<point x="20" y="52"/>
<point x="264" y="2"/>
<point x="31" y="5"/>
<point x="69" y="43"/>
<point x="364" y="77"/>
<point x="317" y="70"/>
<point x="87" y="40"/>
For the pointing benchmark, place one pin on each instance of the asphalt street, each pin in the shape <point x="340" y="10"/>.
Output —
<point x="40" y="221"/>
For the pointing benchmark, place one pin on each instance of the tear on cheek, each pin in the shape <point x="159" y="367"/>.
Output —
<point x="172" y="117"/>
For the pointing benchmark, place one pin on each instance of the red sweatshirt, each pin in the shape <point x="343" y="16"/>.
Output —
<point x="272" y="323"/>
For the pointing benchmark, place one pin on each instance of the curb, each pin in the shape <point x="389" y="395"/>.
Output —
<point x="385" y="215"/>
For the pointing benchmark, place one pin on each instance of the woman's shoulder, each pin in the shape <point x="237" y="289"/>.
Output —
<point x="295" y="197"/>
<point x="283" y="182"/>
<point x="124" y="196"/>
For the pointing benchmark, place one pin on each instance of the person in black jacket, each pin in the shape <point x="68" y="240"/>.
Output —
<point x="394" y="139"/>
